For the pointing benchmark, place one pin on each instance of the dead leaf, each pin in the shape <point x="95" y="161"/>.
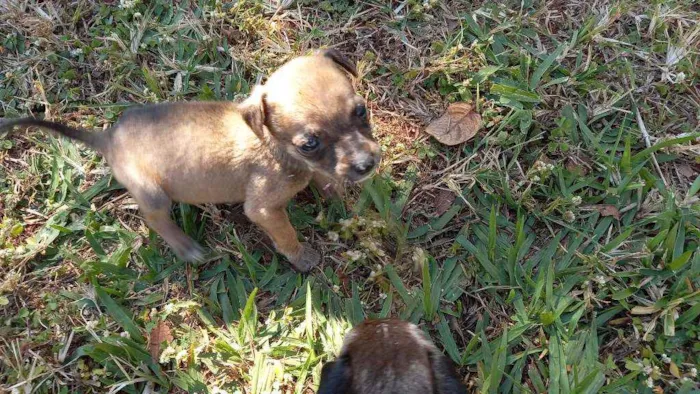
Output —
<point x="576" y="168"/>
<point x="673" y="368"/>
<point x="159" y="334"/>
<point x="458" y="124"/>
<point x="443" y="201"/>
<point x="619" y="321"/>
<point x="686" y="170"/>
<point x="644" y="310"/>
<point x="608" y="210"/>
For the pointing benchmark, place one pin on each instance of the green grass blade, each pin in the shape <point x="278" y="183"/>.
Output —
<point x="664" y="144"/>
<point x="448" y="340"/>
<point x="694" y="188"/>
<point x="428" y="302"/>
<point x="309" y="321"/>
<point x="397" y="284"/>
<point x="545" y="65"/>
<point x="492" y="234"/>
<point x="386" y="307"/>
<point x="680" y="261"/>
<point x="119" y="315"/>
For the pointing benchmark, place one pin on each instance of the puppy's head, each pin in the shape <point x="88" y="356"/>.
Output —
<point x="311" y="110"/>
<point x="390" y="357"/>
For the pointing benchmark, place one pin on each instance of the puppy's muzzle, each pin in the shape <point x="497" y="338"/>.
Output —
<point x="362" y="166"/>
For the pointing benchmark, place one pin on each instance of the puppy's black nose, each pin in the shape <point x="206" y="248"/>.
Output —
<point x="364" y="166"/>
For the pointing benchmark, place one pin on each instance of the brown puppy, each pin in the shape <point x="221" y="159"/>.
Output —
<point x="389" y="356"/>
<point x="305" y="122"/>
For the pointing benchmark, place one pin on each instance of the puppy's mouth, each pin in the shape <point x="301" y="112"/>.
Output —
<point x="359" y="178"/>
<point x="347" y="173"/>
<point x="349" y="177"/>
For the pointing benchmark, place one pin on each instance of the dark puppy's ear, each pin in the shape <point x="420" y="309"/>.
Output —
<point x="340" y="60"/>
<point x="336" y="377"/>
<point x="445" y="375"/>
<point x="253" y="110"/>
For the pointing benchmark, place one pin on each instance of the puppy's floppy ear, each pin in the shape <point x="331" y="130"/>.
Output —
<point x="340" y="60"/>
<point x="253" y="109"/>
<point x="336" y="377"/>
<point x="444" y="375"/>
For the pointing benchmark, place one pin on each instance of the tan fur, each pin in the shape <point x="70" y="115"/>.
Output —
<point x="221" y="152"/>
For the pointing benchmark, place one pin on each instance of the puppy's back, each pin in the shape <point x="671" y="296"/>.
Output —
<point x="164" y="118"/>
<point x="181" y="133"/>
<point x="390" y="357"/>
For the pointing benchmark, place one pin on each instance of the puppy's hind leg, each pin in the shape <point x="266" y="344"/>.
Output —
<point x="155" y="205"/>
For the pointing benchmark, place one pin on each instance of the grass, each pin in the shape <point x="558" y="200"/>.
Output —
<point x="555" y="252"/>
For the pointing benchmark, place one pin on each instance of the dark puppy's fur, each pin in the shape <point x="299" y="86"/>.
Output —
<point x="389" y="356"/>
<point x="306" y="123"/>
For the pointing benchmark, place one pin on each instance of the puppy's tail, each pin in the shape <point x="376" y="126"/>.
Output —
<point x="93" y="140"/>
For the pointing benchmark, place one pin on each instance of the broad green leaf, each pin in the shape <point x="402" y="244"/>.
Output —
<point x="515" y="94"/>
<point x="680" y="261"/>
<point x="485" y="73"/>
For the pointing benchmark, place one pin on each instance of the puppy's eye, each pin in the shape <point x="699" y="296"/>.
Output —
<point x="361" y="111"/>
<point x="312" y="144"/>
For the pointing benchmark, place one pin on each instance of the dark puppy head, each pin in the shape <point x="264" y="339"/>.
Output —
<point x="389" y="357"/>
<point x="310" y="108"/>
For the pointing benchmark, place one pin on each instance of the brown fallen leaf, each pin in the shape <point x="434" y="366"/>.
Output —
<point x="576" y="168"/>
<point x="443" y="201"/>
<point x="673" y="368"/>
<point x="619" y="321"/>
<point x="608" y="210"/>
<point x="458" y="124"/>
<point x="159" y="334"/>
<point x="687" y="171"/>
<point x="644" y="310"/>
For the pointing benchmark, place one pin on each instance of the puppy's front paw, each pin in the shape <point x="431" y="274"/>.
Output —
<point x="307" y="259"/>
<point x="191" y="252"/>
